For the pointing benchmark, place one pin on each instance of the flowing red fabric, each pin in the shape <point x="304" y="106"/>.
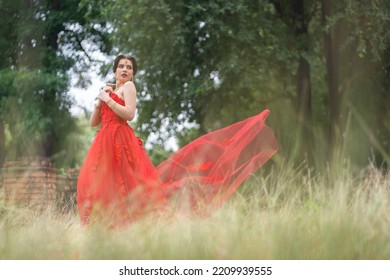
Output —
<point x="117" y="177"/>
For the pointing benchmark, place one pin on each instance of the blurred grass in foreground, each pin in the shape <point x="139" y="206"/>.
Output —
<point x="282" y="214"/>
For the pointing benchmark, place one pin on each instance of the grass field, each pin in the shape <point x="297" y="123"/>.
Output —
<point x="282" y="214"/>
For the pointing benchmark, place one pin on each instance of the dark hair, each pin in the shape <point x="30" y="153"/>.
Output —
<point x="122" y="56"/>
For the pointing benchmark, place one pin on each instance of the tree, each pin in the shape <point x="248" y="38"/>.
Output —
<point x="44" y="40"/>
<point x="202" y="61"/>
<point x="297" y="16"/>
<point x="214" y="62"/>
<point x="355" y="40"/>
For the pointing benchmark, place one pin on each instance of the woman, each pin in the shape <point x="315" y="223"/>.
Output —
<point x="116" y="164"/>
<point x="118" y="181"/>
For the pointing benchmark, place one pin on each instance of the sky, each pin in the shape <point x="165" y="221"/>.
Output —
<point x="85" y="97"/>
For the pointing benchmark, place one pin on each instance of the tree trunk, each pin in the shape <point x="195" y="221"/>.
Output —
<point x="48" y="145"/>
<point x="305" y="114"/>
<point x="49" y="141"/>
<point x="303" y="81"/>
<point x="332" y="69"/>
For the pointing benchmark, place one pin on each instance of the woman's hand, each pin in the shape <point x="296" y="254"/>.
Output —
<point x="104" y="93"/>
<point x="110" y="86"/>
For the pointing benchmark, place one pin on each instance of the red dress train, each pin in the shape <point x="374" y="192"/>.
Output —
<point x="117" y="177"/>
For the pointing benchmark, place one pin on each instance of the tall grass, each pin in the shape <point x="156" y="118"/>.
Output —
<point x="286" y="213"/>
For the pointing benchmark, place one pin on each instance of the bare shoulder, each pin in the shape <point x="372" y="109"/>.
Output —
<point x="129" y="90"/>
<point x="129" y="85"/>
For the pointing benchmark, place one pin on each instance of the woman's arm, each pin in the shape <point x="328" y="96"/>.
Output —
<point x="96" y="117"/>
<point x="127" y="111"/>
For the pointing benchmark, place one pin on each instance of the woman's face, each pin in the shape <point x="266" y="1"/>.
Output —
<point x="124" y="71"/>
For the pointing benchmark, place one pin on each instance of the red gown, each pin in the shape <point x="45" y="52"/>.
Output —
<point x="118" y="180"/>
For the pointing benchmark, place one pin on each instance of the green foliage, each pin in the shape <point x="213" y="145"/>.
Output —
<point x="187" y="136"/>
<point x="362" y="30"/>
<point x="44" y="42"/>
<point x="32" y="114"/>
<point x="212" y="63"/>
<point x="203" y="63"/>
<point x="76" y="145"/>
<point x="158" y="154"/>
<point x="368" y="23"/>
<point x="199" y="58"/>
